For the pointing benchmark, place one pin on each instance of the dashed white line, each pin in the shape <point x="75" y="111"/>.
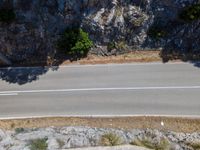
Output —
<point x="9" y="94"/>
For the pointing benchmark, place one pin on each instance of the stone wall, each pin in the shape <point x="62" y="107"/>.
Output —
<point x="39" y="24"/>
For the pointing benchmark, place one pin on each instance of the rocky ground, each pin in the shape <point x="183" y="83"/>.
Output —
<point x="76" y="137"/>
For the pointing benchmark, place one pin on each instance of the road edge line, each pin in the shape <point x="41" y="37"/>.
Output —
<point x="100" y="116"/>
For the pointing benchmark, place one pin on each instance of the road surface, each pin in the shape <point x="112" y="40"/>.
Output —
<point x="127" y="89"/>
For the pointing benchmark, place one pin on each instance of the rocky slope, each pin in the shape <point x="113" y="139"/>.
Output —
<point x="39" y="24"/>
<point x="74" y="137"/>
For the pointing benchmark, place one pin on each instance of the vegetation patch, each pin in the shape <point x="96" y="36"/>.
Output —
<point x="39" y="144"/>
<point x="195" y="145"/>
<point x="157" y="32"/>
<point x="120" y="45"/>
<point x="110" y="139"/>
<point x="191" y="13"/>
<point x="147" y="142"/>
<point x="19" y="130"/>
<point x="7" y="15"/>
<point x="75" y="42"/>
<point x="111" y="46"/>
<point x="139" y="21"/>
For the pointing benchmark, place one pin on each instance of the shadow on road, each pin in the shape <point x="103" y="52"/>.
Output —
<point x="190" y="57"/>
<point x="196" y="63"/>
<point x="23" y="75"/>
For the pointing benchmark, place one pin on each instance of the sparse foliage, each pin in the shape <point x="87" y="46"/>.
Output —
<point x="110" y="139"/>
<point x="39" y="144"/>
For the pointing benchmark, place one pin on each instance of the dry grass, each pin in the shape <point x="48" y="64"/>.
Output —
<point x="195" y="145"/>
<point x="135" y="56"/>
<point x="110" y="139"/>
<point x="188" y="125"/>
<point x="148" y="143"/>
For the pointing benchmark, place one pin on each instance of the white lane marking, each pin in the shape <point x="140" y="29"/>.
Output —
<point x="101" y="89"/>
<point x="9" y="94"/>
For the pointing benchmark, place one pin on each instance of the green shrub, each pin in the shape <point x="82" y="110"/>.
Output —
<point x="75" y="42"/>
<point x="110" y="139"/>
<point x="111" y="46"/>
<point x="157" y="32"/>
<point x="19" y="130"/>
<point x="39" y="144"/>
<point x="7" y="15"/>
<point x="191" y="13"/>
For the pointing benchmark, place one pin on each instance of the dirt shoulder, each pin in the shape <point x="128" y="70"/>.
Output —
<point x="188" y="125"/>
<point x="135" y="56"/>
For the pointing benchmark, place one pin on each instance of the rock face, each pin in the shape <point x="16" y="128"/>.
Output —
<point x="79" y="137"/>
<point x="39" y="24"/>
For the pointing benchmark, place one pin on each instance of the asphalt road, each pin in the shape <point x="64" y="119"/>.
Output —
<point x="128" y="89"/>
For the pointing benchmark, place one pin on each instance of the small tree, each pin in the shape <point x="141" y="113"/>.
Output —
<point x="75" y="42"/>
<point x="83" y="44"/>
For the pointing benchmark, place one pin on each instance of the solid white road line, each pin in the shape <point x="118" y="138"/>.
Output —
<point x="101" y="89"/>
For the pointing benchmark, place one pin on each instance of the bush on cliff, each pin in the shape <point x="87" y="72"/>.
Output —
<point x="7" y="15"/>
<point x="191" y="13"/>
<point x="75" y="42"/>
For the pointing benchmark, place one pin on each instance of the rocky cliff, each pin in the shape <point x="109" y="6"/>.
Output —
<point x="126" y="23"/>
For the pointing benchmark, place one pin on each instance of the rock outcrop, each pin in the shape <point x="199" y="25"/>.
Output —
<point x="39" y="24"/>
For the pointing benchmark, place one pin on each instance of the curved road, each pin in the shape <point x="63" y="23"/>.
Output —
<point x="127" y="89"/>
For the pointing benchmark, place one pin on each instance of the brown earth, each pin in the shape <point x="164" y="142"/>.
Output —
<point x="135" y="56"/>
<point x="170" y="123"/>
